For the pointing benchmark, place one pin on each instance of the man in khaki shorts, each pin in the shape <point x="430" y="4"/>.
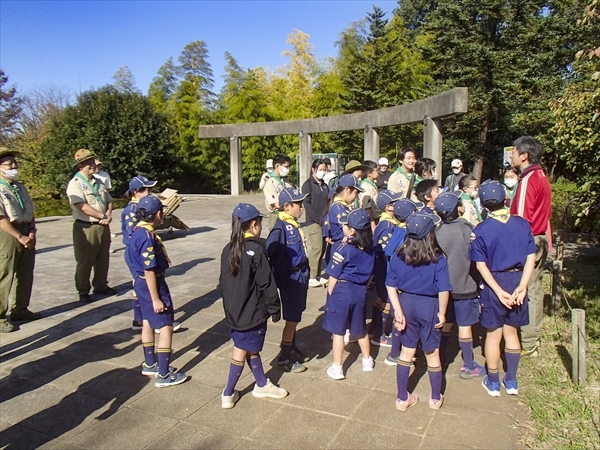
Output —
<point x="274" y="185"/>
<point x="17" y="244"/>
<point x="91" y="205"/>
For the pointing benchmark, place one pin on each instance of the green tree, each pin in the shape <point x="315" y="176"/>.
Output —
<point x="10" y="108"/>
<point x="124" y="80"/>
<point x="122" y="128"/>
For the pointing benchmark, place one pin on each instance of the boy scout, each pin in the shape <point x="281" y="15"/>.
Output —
<point x="17" y="243"/>
<point x="92" y="208"/>
<point x="274" y="185"/>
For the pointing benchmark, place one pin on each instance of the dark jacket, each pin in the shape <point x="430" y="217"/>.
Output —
<point x="250" y="297"/>
<point x="454" y="239"/>
<point x="382" y="180"/>
<point x="316" y="204"/>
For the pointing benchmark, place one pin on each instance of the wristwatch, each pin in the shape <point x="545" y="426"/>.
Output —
<point x="104" y="216"/>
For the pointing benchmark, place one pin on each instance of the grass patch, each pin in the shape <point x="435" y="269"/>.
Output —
<point x="562" y="414"/>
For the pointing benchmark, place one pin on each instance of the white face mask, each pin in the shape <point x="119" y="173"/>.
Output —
<point x="283" y="171"/>
<point x="270" y="170"/>
<point x="11" y="174"/>
<point x="510" y="182"/>
<point x="473" y="194"/>
<point x="433" y="174"/>
<point x="456" y="169"/>
<point x="320" y="174"/>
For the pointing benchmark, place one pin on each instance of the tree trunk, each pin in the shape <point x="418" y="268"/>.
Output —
<point x="478" y="167"/>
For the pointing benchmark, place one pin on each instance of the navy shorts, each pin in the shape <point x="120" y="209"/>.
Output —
<point x="463" y="312"/>
<point x="129" y="265"/>
<point x="293" y="295"/>
<point x="156" y="320"/>
<point x="346" y="308"/>
<point x="251" y="340"/>
<point x="493" y="313"/>
<point x="420" y="313"/>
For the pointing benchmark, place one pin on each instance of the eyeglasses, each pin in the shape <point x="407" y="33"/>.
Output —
<point x="10" y="164"/>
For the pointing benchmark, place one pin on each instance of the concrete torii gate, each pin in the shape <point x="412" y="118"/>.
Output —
<point x="430" y="111"/>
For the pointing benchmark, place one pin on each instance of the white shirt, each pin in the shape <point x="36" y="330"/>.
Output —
<point x="104" y="177"/>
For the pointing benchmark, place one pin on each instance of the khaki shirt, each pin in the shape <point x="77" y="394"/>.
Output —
<point x="398" y="183"/>
<point x="367" y="199"/>
<point x="79" y="192"/>
<point x="272" y="190"/>
<point x="10" y="207"/>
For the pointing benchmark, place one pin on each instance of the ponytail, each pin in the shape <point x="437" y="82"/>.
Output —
<point x="237" y="241"/>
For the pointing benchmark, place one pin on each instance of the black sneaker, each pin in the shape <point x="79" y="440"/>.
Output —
<point x="85" y="298"/>
<point x="291" y="366"/>
<point x="299" y="356"/>
<point x="25" y="316"/>
<point x="107" y="292"/>
<point x="136" y="326"/>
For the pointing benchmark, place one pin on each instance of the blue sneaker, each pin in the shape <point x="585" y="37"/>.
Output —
<point x="512" y="387"/>
<point x="172" y="379"/>
<point x="153" y="370"/>
<point x="492" y="387"/>
<point x="475" y="371"/>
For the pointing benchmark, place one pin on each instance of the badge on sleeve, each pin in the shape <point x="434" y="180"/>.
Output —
<point x="337" y="257"/>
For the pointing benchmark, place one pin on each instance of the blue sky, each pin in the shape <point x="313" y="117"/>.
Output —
<point x="78" y="45"/>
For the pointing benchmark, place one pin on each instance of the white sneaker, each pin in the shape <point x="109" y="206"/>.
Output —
<point x="323" y="281"/>
<point x="348" y="338"/>
<point x="313" y="282"/>
<point x="269" y="390"/>
<point x="176" y="326"/>
<point x="228" y="401"/>
<point x="368" y="364"/>
<point x="336" y="372"/>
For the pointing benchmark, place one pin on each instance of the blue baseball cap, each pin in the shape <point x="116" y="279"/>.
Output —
<point x="349" y="180"/>
<point x="139" y="182"/>
<point x="419" y="224"/>
<point x="446" y="202"/>
<point x="151" y="204"/>
<point x="358" y="219"/>
<point x="491" y="190"/>
<point x="246" y="212"/>
<point x="385" y="197"/>
<point x="290" y="195"/>
<point x="404" y="207"/>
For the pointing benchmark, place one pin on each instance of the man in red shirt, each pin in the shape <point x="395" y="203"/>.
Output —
<point x="533" y="202"/>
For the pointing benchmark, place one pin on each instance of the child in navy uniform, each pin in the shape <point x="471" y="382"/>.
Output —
<point x="150" y="261"/>
<point x="420" y="271"/>
<point x="383" y="232"/>
<point x="286" y="247"/>
<point x="454" y="236"/>
<point x="504" y="252"/>
<point x="249" y="299"/>
<point x="403" y="208"/>
<point x="349" y="273"/>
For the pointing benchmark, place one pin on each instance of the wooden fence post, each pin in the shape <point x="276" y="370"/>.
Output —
<point x="557" y="268"/>
<point x="579" y="346"/>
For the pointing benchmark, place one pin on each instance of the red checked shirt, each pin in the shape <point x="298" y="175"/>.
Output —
<point x="533" y="199"/>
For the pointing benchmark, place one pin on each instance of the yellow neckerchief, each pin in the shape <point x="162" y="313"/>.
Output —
<point x="390" y="218"/>
<point x="339" y="200"/>
<point x="287" y="218"/>
<point x="248" y="235"/>
<point x="501" y="215"/>
<point x="134" y="200"/>
<point x="149" y="227"/>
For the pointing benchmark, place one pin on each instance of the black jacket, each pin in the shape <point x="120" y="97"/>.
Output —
<point x="317" y="202"/>
<point x="251" y="297"/>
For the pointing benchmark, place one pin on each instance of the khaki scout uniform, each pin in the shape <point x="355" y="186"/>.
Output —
<point x="273" y="187"/>
<point x="399" y="182"/>
<point x="91" y="241"/>
<point x="16" y="262"/>
<point x="367" y="198"/>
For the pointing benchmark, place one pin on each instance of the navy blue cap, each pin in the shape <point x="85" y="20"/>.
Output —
<point x="385" y="197"/>
<point x="404" y="207"/>
<point x="246" y="212"/>
<point x="491" y="190"/>
<point x="350" y="180"/>
<point x="290" y="195"/>
<point x="446" y="202"/>
<point x="151" y="204"/>
<point x="358" y="219"/>
<point x="419" y="224"/>
<point x="139" y="182"/>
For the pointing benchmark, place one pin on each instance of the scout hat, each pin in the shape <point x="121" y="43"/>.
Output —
<point x="404" y="207"/>
<point x="357" y="218"/>
<point x="139" y="182"/>
<point x="446" y="202"/>
<point x="353" y="165"/>
<point x="7" y="151"/>
<point x="419" y="224"/>
<point x="151" y="204"/>
<point x="349" y="180"/>
<point x="385" y="197"/>
<point x="246" y="212"/>
<point x="83" y="154"/>
<point x="290" y="195"/>
<point x="491" y="190"/>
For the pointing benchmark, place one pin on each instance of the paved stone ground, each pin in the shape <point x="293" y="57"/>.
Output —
<point x="71" y="380"/>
